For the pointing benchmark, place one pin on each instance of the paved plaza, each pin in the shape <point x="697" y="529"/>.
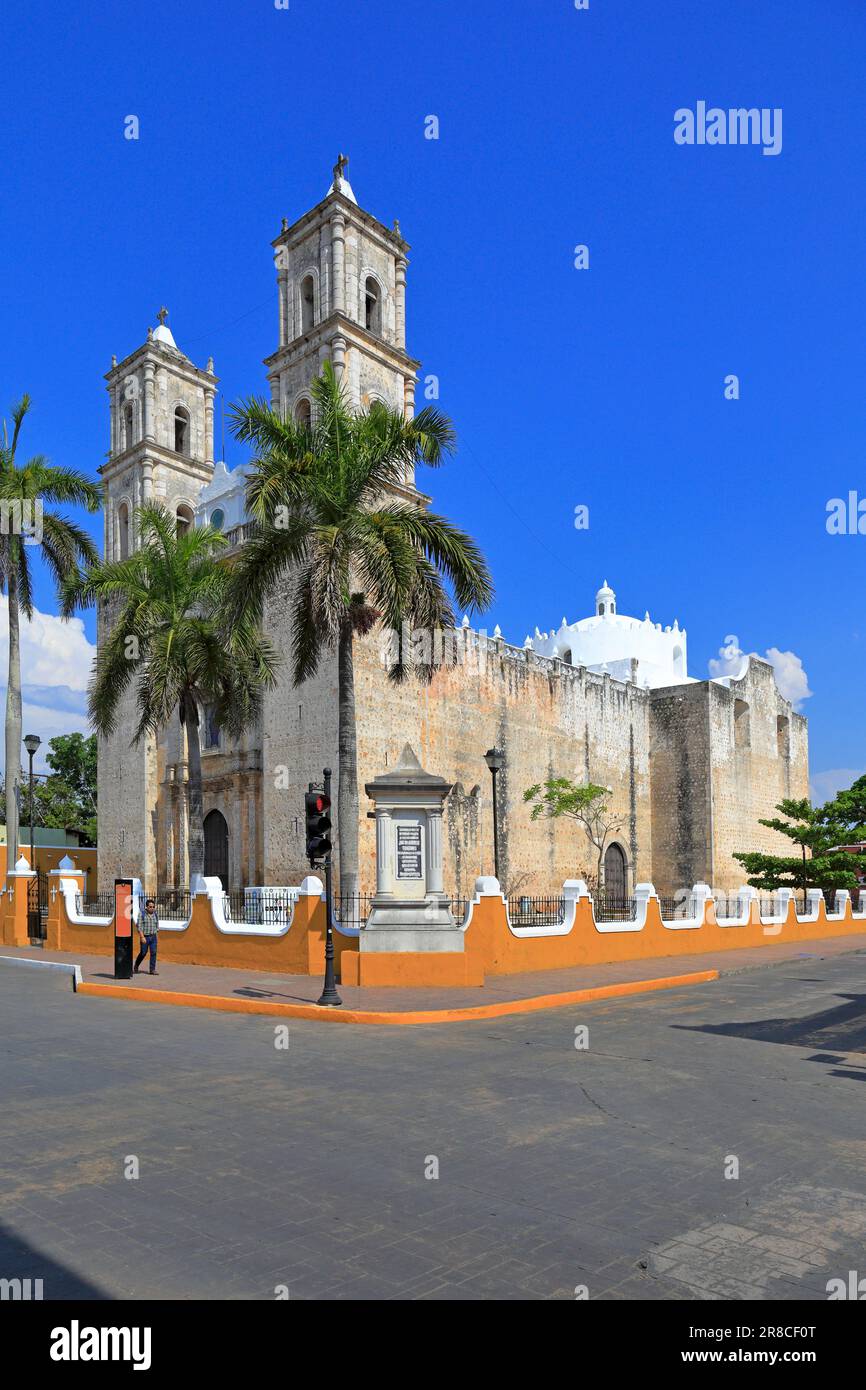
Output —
<point x="488" y="1160"/>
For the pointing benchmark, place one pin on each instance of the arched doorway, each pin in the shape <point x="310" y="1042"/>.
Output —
<point x="216" y="848"/>
<point x="615" y="873"/>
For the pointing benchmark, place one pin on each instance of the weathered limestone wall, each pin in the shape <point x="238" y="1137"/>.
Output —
<point x="680" y="802"/>
<point x="547" y="718"/>
<point x="759" y="756"/>
<point x="721" y="760"/>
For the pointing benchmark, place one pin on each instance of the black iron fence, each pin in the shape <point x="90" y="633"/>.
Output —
<point x="352" y="909"/>
<point x="675" y="908"/>
<point x="259" y="907"/>
<point x="614" y="909"/>
<point x="37" y="908"/>
<point x="536" y="912"/>
<point x="95" y="904"/>
<point x="172" y="904"/>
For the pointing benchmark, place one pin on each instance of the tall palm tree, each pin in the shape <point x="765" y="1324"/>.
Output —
<point x="28" y="528"/>
<point x="329" y="501"/>
<point x="169" y="634"/>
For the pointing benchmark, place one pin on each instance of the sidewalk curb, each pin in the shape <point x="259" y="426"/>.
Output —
<point x="394" y="1018"/>
<point x="31" y="962"/>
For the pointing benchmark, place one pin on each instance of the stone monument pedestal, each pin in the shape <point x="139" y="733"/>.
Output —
<point x="411" y="911"/>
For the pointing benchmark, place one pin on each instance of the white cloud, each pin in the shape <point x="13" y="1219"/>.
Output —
<point x="731" y="661"/>
<point x="791" y="679"/>
<point x="56" y="659"/>
<point x="825" y="786"/>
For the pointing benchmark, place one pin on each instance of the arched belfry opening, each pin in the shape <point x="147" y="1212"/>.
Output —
<point x="308" y="301"/>
<point x="123" y="531"/>
<point x="216" y="848"/>
<point x="181" y="430"/>
<point x="373" y="306"/>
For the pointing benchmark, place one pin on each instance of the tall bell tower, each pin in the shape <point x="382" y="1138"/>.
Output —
<point x="341" y="279"/>
<point x="161" y="450"/>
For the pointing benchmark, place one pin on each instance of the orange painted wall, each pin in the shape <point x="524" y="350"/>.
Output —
<point x="300" y="952"/>
<point x="491" y="948"/>
<point x="492" y="945"/>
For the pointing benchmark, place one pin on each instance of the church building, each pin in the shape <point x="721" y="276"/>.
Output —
<point x="692" y="764"/>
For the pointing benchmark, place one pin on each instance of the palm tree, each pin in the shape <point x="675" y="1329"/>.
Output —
<point x="169" y="634"/>
<point x="26" y="491"/>
<point x="331" y="509"/>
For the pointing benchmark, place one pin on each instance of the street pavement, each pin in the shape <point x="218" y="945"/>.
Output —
<point x="703" y="1143"/>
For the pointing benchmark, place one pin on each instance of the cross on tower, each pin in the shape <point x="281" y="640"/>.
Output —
<point x="340" y="168"/>
<point x="162" y="315"/>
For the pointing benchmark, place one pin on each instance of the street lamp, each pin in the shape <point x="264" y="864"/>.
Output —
<point x="31" y="743"/>
<point x="495" y="760"/>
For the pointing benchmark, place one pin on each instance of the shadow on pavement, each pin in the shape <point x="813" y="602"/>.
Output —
<point x="20" y="1262"/>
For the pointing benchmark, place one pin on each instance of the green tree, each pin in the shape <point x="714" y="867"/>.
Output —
<point x="848" y="808"/>
<point x="332" y="513"/>
<point x="817" y="831"/>
<point x="66" y="798"/>
<point x="169" y="634"/>
<point x="588" y="805"/>
<point x="27" y="491"/>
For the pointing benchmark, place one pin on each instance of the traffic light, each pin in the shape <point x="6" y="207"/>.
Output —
<point x="317" y="808"/>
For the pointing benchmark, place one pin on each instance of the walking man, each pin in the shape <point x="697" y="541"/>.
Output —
<point x="148" y="927"/>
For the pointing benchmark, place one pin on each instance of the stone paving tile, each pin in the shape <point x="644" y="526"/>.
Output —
<point x="557" y="1168"/>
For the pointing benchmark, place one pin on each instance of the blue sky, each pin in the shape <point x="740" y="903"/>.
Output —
<point x="603" y="387"/>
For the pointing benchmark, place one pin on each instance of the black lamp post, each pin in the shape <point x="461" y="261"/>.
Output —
<point x="31" y="743"/>
<point x="495" y="761"/>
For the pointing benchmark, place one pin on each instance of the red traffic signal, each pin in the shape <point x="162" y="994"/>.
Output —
<point x="317" y="814"/>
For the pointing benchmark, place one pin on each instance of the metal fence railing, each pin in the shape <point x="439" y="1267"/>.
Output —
<point x="259" y="907"/>
<point x="95" y="904"/>
<point x="172" y="904"/>
<point x="352" y="909"/>
<point x="524" y="911"/>
<point x="614" y="909"/>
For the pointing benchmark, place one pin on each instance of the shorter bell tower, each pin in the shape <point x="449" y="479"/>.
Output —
<point x="161" y="450"/>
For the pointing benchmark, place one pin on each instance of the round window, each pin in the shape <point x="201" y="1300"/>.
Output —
<point x="217" y="519"/>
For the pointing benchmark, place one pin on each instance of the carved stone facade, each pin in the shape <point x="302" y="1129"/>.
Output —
<point x="691" y="765"/>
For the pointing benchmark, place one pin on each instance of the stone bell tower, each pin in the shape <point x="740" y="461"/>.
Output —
<point x="161" y="450"/>
<point x="341" y="277"/>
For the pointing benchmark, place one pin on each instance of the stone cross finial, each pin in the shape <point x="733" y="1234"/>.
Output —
<point x="340" y="168"/>
<point x="163" y="314"/>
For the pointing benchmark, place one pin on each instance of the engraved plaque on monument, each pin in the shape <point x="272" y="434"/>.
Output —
<point x="409" y="851"/>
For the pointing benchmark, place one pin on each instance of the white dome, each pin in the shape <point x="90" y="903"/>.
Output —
<point x="611" y="643"/>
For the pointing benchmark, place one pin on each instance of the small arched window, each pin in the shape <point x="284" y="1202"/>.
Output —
<point x="373" y="306"/>
<point x="217" y="518"/>
<point x="128" y="419"/>
<point x="304" y="413"/>
<point x="184" y="519"/>
<point x="566" y="656"/>
<point x="181" y="430"/>
<point x="123" y="530"/>
<point x="308" y="301"/>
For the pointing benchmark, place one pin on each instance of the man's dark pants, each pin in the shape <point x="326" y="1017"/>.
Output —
<point x="148" y="944"/>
